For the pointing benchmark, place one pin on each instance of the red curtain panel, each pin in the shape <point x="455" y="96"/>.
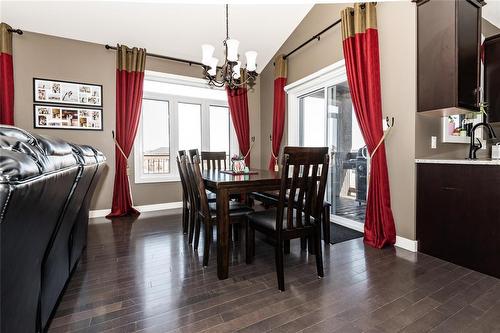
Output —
<point x="130" y="65"/>
<point x="361" y="52"/>
<point x="280" y="77"/>
<point x="238" y="106"/>
<point x="6" y="76"/>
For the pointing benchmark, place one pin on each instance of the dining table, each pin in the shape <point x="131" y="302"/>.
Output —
<point x="225" y="184"/>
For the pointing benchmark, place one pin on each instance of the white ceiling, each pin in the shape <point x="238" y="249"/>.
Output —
<point x="491" y="12"/>
<point x="176" y="30"/>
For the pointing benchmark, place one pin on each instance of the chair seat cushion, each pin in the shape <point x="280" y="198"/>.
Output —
<point x="272" y="198"/>
<point x="235" y="209"/>
<point x="267" y="219"/>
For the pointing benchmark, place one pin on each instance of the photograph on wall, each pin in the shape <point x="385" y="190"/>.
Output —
<point x="60" y="117"/>
<point x="64" y="92"/>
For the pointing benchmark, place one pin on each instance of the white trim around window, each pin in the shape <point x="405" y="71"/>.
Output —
<point x="328" y="76"/>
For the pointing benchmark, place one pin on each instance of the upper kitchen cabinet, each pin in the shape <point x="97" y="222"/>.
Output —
<point x="448" y="56"/>
<point x="492" y="77"/>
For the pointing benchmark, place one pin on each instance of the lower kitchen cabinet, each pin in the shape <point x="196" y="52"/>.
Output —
<point x="458" y="214"/>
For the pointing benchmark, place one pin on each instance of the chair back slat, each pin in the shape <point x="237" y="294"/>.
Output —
<point x="213" y="160"/>
<point x="180" y="154"/>
<point x="303" y="183"/>
<point x="192" y="153"/>
<point x="183" y="172"/>
<point x="194" y="171"/>
<point x="302" y="199"/>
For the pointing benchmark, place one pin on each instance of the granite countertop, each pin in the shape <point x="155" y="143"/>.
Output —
<point x="484" y="161"/>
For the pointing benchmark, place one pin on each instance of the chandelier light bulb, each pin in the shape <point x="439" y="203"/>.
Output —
<point x="236" y="70"/>
<point x="213" y="66"/>
<point x="207" y="54"/>
<point x="232" y="49"/>
<point x="251" y="60"/>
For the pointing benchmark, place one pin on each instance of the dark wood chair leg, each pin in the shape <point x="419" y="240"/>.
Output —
<point x="310" y="245"/>
<point x="326" y="224"/>
<point x="185" y="217"/>
<point x="191" y="225"/>
<point x="286" y="246"/>
<point x="319" y="254"/>
<point x="196" y="233"/>
<point x="206" y="246"/>
<point x="236" y="232"/>
<point x="250" y="243"/>
<point x="303" y="243"/>
<point x="279" y="265"/>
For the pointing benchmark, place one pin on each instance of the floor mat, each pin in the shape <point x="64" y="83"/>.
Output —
<point x="339" y="233"/>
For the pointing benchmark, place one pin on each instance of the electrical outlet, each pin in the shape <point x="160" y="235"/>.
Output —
<point x="433" y="142"/>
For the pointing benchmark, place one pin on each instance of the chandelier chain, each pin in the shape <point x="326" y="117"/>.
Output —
<point x="227" y="21"/>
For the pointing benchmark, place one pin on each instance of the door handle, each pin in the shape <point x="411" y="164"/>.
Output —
<point x="449" y="188"/>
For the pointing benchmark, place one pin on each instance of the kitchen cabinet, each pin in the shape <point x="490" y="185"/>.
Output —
<point x="458" y="215"/>
<point x="448" y="56"/>
<point x="492" y="77"/>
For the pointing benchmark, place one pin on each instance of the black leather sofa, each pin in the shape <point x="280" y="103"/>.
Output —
<point x="46" y="185"/>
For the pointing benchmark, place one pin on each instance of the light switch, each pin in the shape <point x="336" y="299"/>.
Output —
<point x="433" y="142"/>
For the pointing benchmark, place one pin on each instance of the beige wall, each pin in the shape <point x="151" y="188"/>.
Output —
<point x="397" y="29"/>
<point x="489" y="29"/>
<point x="43" y="56"/>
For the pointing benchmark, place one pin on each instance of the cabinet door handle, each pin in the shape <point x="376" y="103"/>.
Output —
<point x="448" y="188"/>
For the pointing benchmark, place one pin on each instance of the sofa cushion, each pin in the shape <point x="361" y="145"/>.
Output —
<point x="15" y="166"/>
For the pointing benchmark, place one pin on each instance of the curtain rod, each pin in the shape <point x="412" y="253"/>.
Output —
<point x="17" y="31"/>
<point x="317" y="36"/>
<point x="189" y="62"/>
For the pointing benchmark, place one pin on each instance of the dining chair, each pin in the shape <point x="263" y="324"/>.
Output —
<point x="187" y="186"/>
<point x="207" y="212"/>
<point x="213" y="160"/>
<point x="270" y="199"/>
<point x="185" y="205"/>
<point x="300" y="204"/>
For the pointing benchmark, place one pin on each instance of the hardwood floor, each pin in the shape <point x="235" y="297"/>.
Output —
<point x="143" y="276"/>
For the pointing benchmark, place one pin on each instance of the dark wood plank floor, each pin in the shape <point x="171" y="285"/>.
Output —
<point x="142" y="276"/>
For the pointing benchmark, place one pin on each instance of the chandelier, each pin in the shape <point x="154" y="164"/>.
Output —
<point x="231" y="73"/>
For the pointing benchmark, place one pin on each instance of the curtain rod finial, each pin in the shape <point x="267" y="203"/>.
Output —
<point x="17" y="31"/>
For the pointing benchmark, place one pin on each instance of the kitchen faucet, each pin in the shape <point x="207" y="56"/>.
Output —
<point x="473" y="148"/>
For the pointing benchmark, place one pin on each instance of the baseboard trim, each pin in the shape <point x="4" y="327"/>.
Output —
<point x="142" y="209"/>
<point x="401" y="242"/>
<point x="407" y="244"/>
<point x="358" y="226"/>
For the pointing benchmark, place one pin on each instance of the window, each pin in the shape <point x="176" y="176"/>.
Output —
<point x="189" y="126"/>
<point x="219" y="127"/>
<point x="155" y="141"/>
<point x="312" y="129"/>
<point x="179" y="113"/>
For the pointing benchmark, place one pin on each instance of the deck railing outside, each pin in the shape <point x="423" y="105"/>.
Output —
<point x="156" y="164"/>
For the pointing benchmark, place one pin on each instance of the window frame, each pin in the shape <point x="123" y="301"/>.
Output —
<point x="328" y="76"/>
<point x="173" y="101"/>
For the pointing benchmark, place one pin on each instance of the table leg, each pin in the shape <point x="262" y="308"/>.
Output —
<point x="223" y="231"/>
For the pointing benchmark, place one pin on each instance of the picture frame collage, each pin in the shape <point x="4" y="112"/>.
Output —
<point x="67" y="105"/>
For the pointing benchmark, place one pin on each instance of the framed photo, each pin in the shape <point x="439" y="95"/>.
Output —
<point x="64" y="117"/>
<point x="66" y="92"/>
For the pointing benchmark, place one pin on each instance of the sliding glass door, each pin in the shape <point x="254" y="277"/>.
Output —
<point x="326" y="118"/>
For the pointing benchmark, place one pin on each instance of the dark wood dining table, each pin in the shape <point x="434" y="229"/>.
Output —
<point x="224" y="184"/>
